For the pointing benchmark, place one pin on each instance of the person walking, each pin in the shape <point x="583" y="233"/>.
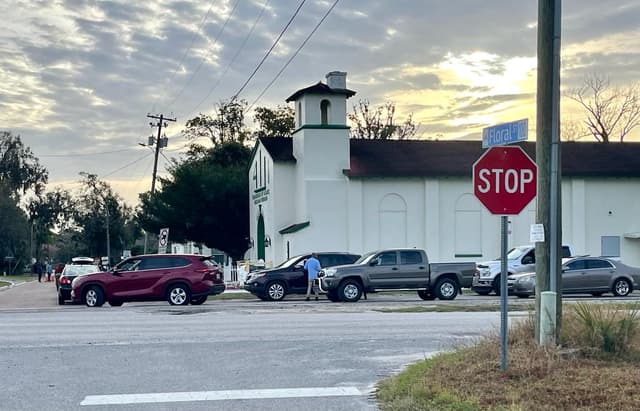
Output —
<point x="37" y="268"/>
<point x="49" y="269"/>
<point x="312" y="266"/>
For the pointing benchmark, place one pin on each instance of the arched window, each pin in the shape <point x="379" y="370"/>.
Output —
<point x="468" y="227"/>
<point x="392" y="215"/>
<point x="325" y="105"/>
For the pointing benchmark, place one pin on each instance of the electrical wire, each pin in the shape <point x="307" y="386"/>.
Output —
<point x="292" y="56"/>
<point x="202" y="59"/>
<point x="235" y="96"/>
<point x="233" y="59"/>
<point x="125" y="166"/>
<point x="187" y="50"/>
<point x="84" y="154"/>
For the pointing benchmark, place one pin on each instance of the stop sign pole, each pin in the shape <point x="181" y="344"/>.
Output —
<point x="505" y="182"/>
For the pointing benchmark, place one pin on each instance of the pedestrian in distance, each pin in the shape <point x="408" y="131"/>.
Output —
<point x="49" y="269"/>
<point x="312" y="266"/>
<point x="37" y="268"/>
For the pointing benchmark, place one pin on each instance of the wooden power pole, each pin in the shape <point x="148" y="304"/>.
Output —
<point x="548" y="213"/>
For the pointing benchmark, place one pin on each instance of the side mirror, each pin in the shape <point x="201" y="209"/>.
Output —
<point x="299" y="266"/>
<point x="373" y="263"/>
<point x="527" y="260"/>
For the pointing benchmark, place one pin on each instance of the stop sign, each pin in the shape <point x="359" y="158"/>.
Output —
<point x="505" y="180"/>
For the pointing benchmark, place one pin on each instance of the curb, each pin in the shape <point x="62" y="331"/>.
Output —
<point x="7" y="287"/>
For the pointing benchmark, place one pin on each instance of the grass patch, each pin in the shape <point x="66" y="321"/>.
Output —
<point x="233" y="296"/>
<point x="446" y="308"/>
<point x="27" y="277"/>
<point x="601" y="374"/>
<point x="4" y="284"/>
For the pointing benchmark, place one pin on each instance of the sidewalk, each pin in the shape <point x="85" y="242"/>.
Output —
<point x="30" y="294"/>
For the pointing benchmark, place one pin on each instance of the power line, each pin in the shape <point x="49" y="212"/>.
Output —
<point x="292" y="56"/>
<point x="242" y="46"/>
<point x="202" y="59"/>
<point x="84" y="154"/>
<point x="125" y="166"/>
<point x="187" y="50"/>
<point x="235" y="96"/>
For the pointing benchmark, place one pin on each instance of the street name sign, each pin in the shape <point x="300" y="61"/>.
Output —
<point x="505" y="133"/>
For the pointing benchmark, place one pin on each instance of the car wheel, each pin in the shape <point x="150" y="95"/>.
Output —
<point x="178" y="294"/>
<point x="333" y="296"/>
<point x="94" y="296"/>
<point x="621" y="287"/>
<point x="446" y="289"/>
<point x="199" y="300"/>
<point x="115" y="303"/>
<point x="276" y="291"/>
<point x="426" y="295"/>
<point x="484" y="292"/>
<point x="597" y="294"/>
<point x="60" y="299"/>
<point x="350" y="291"/>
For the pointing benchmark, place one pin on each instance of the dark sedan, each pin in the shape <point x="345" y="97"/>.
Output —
<point x="289" y="277"/>
<point x="584" y="275"/>
<point x="69" y="273"/>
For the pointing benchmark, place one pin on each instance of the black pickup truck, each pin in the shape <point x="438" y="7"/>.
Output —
<point x="396" y="269"/>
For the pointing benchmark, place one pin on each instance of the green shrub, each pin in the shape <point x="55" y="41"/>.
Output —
<point x="603" y="329"/>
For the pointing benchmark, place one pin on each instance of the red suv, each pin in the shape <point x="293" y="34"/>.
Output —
<point x="178" y="278"/>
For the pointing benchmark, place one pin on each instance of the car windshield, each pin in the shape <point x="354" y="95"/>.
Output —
<point x="72" y="270"/>
<point x="516" y="253"/>
<point x="365" y="258"/>
<point x="289" y="262"/>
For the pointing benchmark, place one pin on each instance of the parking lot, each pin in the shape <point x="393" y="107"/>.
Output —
<point x="42" y="296"/>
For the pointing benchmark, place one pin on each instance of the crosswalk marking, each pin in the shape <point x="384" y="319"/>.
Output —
<point x="168" y="397"/>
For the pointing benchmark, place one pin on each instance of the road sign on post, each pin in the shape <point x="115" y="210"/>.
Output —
<point x="163" y="240"/>
<point x="505" y="180"/>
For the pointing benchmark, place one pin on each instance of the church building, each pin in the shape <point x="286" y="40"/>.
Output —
<point x="322" y="191"/>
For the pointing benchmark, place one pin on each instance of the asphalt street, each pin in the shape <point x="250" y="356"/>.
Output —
<point x="223" y="355"/>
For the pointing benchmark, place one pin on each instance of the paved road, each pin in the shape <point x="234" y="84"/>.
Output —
<point x="59" y="360"/>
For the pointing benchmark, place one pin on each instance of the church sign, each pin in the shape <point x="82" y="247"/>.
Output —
<point x="260" y="195"/>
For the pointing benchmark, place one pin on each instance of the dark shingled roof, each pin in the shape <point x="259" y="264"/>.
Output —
<point x="454" y="158"/>
<point x="321" y="88"/>
<point x="280" y="148"/>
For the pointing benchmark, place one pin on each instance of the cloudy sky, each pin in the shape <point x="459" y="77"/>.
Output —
<point x="77" y="78"/>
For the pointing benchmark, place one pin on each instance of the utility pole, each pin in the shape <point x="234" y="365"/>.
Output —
<point x="162" y="122"/>
<point x="106" y="207"/>
<point x="548" y="262"/>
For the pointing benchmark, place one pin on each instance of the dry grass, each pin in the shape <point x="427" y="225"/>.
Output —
<point x="536" y="380"/>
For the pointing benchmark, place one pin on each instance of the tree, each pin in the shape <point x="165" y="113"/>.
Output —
<point x="278" y="122"/>
<point x="20" y="170"/>
<point x="611" y="113"/>
<point x="14" y="236"/>
<point x="98" y="207"/>
<point x="204" y="200"/>
<point x="227" y="124"/>
<point x="53" y="210"/>
<point x="379" y="122"/>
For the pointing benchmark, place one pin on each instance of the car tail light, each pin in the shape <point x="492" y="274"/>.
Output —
<point x="210" y="274"/>
<point x="64" y="280"/>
